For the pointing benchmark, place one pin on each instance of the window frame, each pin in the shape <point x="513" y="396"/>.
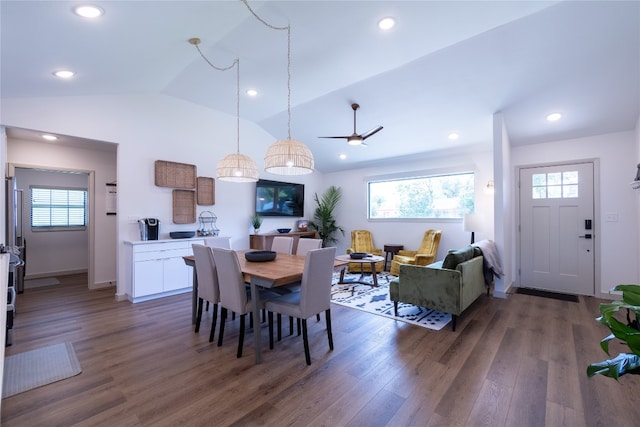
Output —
<point x="460" y="170"/>
<point x="67" y="227"/>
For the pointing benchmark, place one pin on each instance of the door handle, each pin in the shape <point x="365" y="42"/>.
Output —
<point x="586" y="236"/>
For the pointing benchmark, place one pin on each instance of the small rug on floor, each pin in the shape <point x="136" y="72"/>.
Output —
<point x="37" y="283"/>
<point x="376" y="301"/>
<point x="547" y="294"/>
<point x="35" y="368"/>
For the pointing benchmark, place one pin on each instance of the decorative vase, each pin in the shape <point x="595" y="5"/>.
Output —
<point x="256" y="230"/>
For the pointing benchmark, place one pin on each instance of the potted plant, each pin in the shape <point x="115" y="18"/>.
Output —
<point x="628" y="333"/>
<point x="256" y="222"/>
<point x="323" y="221"/>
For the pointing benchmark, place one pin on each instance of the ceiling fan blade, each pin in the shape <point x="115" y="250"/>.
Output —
<point x="338" y="137"/>
<point x="371" y="132"/>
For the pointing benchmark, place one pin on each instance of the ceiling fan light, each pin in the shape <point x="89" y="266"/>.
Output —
<point x="354" y="140"/>
<point x="237" y="167"/>
<point x="288" y="157"/>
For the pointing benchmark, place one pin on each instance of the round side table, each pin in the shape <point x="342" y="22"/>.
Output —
<point x="390" y="249"/>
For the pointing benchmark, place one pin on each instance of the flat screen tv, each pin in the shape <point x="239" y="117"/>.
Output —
<point x="275" y="198"/>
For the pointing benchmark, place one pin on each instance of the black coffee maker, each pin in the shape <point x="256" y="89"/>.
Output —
<point x="149" y="228"/>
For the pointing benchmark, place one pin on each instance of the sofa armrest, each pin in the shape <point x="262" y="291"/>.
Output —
<point x="436" y="288"/>
<point x="472" y="279"/>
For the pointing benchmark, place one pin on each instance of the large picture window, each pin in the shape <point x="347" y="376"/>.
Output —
<point x="58" y="208"/>
<point x="445" y="196"/>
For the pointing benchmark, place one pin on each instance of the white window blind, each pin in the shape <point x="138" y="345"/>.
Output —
<point x="58" y="207"/>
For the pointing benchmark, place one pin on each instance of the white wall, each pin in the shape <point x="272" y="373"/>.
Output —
<point x="156" y="127"/>
<point x="503" y="218"/>
<point x="617" y="159"/>
<point x="352" y="212"/>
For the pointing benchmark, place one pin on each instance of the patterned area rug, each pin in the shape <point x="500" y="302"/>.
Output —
<point x="376" y="301"/>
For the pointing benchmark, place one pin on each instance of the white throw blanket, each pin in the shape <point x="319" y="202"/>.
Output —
<point x="491" y="255"/>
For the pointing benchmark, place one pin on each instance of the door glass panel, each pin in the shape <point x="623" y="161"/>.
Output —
<point x="554" y="185"/>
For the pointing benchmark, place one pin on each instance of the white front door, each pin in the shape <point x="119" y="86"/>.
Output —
<point x="557" y="228"/>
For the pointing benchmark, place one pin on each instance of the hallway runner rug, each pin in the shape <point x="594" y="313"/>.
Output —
<point x="376" y="301"/>
<point x="35" y="368"/>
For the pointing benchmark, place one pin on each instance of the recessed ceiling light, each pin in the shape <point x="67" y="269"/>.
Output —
<point x="342" y="156"/>
<point x="386" y="23"/>
<point x="454" y="135"/>
<point x="64" y="74"/>
<point x="49" y="137"/>
<point x="88" y="11"/>
<point x="252" y="92"/>
<point x="554" y="117"/>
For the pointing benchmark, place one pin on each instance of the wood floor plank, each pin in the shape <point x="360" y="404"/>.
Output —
<point x="514" y="361"/>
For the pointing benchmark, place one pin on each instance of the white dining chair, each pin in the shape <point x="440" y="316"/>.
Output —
<point x="233" y="292"/>
<point x="282" y="245"/>
<point x="208" y="288"/>
<point x="314" y="296"/>
<point x="305" y="245"/>
<point x="218" y="242"/>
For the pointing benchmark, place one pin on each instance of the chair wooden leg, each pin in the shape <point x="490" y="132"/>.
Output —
<point x="223" y="318"/>
<point x="207" y="308"/>
<point x="198" y="315"/>
<point x="395" y="308"/>
<point x="213" y="322"/>
<point x="305" y="339"/>
<point x="290" y="325"/>
<point x="270" y="316"/>
<point x="453" y="321"/>
<point x="318" y="317"/>
<point x="298" y="322"/>
<point x="329" y="333"/>
<point x="241" y="335"/>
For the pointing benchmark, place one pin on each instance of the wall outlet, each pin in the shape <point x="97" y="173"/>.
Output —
<point x="611" y="217"/>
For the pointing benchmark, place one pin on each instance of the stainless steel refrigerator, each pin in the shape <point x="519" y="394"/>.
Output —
<point x="15" y="241"/>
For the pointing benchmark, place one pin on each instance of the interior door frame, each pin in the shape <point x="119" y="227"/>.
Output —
<point x="90" y="209"/>
<point x="596" y="217"/>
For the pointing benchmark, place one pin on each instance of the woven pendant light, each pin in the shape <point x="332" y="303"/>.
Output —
<point x="234" y="167"/>
<point x="286" y="156"/>
<point x="237" y="168"/>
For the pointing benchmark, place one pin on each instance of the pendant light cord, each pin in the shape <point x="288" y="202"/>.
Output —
<point x="236" y="63"/>
<point x="288" y="28"/>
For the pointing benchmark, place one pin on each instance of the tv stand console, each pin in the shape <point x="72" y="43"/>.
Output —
<point x="262" y="242"/>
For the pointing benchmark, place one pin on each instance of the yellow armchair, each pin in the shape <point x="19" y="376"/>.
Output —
<point x="362" y="241"/>
<point x="425" y="255"/>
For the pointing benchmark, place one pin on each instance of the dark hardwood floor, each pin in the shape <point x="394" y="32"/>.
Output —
<point x="514" y="362"/>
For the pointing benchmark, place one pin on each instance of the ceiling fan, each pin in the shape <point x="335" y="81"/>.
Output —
<point x="355" y="138"/>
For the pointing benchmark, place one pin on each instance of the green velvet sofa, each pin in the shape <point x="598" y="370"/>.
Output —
<point x="449" y="286"/>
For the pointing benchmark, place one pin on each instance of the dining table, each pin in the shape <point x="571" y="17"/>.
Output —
<point x="283" y="270"/>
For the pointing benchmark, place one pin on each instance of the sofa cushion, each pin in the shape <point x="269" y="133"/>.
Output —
<point x="455" y="257"/>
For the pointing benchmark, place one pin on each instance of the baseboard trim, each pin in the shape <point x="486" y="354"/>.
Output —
<point x="103" y="285"/>
<point x="55" y="274"/>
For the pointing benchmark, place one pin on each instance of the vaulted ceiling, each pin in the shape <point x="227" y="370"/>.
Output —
<point x="447" y="66"/>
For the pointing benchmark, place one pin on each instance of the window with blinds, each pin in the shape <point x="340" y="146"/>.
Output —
<point x="58" y="208"/>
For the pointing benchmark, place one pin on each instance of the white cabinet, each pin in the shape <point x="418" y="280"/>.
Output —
<point x="158" y="268"/>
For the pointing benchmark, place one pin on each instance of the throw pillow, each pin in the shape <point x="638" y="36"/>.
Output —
<point x="455" y="257"/>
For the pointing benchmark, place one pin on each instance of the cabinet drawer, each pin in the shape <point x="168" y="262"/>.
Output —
<point x="163" y="246"/>
<point x="163" y="254"/>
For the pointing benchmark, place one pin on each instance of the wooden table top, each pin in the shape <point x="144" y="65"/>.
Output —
<point x="285" y="269"/>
